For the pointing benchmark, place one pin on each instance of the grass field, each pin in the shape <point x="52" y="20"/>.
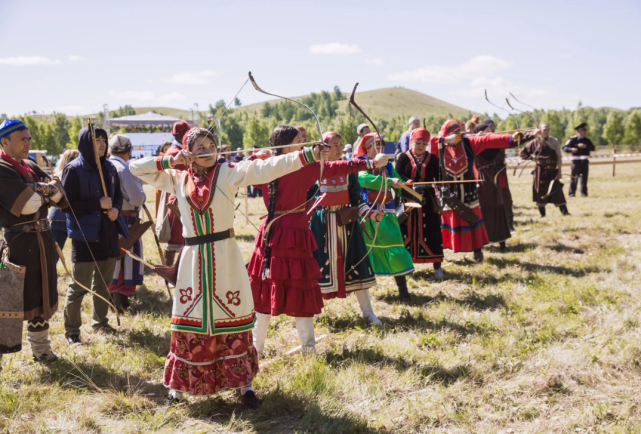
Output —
<point x="544" y="338"/>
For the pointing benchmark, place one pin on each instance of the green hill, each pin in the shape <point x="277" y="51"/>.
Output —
<point x="386" y="103"/>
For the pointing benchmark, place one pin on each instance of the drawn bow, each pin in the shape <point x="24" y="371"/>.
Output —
<point x="322" y="162"/>
<point x="383" y="188"/>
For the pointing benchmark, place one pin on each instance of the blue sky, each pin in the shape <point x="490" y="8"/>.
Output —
<point x="75" y="56"/>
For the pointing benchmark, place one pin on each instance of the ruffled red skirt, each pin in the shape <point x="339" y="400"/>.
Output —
<point x="459" y="235"/>
<point x="292" y="288"/>
<point x="199" y="364"/>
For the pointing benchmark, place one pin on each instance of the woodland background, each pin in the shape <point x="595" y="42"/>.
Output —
<point x="390" y="108"/>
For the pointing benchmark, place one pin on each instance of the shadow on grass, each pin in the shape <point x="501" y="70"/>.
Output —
<point x="563" y="248"/>
<point x="157" y="344"/>
<point x="433" y="372"/>
<point x="538" y="268"/>
<point x="409" y="322"/>
<point x="149" y="301"/>
<point x="473" y="300"/>
<point x="281" y="412"/>
<point x="83" y="376"/>
<point x="512" y="248"/>
<point x="246" y="238"/>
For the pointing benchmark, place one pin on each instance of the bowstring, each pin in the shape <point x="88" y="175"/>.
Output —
<point x="236" y="208"/>
<point x="84" y="237"/>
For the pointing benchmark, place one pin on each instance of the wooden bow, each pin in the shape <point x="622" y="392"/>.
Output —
<point x="96" y="153"/>
<point x="62" y="258"/>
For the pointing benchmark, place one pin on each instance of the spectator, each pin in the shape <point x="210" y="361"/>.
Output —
<point x="93" y="231"/>
<point x="164" y="148"/>
<point x="470" y="126"/>
<point x="128" y="273"/>
<point x="348" y="152"/>
<point x="56" y="216"/>
<point x="362" y="130"/>
<point x="404" y="142"/>
<point x="240" y="155"/>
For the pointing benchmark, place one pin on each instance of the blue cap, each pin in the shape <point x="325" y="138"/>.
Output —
<point x="8" y="126"/>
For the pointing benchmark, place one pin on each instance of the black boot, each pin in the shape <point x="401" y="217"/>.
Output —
<point x="478" y="255"/>
<point x="401" y="282"/>
<point x="542" y="211"/>
<point x="502" y="247"/>
<point x="121" y="302"/>
<point x="564" y="210"/>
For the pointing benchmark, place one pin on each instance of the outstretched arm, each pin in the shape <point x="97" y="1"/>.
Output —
<point x="488" y="141"/>
<point x="156" y="171"/>
<point x="257" y="171"/>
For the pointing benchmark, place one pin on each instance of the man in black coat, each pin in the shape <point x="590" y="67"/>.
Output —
<point x="93" y="227"/>
<point x="580" y="146"/>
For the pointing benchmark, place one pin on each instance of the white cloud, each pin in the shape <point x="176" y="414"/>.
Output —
<point x="201" y="77"/>
<point x="68" y="109"/>
<point x="73" y="57"/>
<point x="335" y="49"/>
<point x="375" y="61"/>
<point x="171" y="97"/>
<point x="147" y="96"/>
<point x="134" y="95"/>
<point x="439" y="74"/>
<point x="28" y="61"/>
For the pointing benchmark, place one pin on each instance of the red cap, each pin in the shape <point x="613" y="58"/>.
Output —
<point x="180" y="127"/>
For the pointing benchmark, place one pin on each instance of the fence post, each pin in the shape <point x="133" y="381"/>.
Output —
<point x="614" y="160"/>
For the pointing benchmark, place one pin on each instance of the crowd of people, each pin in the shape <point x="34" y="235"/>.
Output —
<point x="336" y="218"/>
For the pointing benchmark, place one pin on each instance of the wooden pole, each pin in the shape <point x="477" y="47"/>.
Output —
<point x="614" y="160"/>
<point x="246" y="207"/>
<point x="97" y="157"/>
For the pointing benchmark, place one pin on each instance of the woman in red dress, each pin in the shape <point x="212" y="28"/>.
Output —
<point x="460" y="153"/>
<point x="283" y="271"/>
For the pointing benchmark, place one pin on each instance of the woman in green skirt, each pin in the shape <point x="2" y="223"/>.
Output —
<point x="342" y="255"/>
<point x="388" y="255"/>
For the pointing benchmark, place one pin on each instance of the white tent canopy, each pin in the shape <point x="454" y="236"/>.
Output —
<point x="145" y="119"/>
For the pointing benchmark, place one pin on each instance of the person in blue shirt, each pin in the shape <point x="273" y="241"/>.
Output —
<point x="404" y="142"/>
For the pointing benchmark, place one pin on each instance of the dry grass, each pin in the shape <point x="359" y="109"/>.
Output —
<point x="544" y="338"/>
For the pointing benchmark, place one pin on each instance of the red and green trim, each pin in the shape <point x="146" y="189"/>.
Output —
<point x="307" y="156"/>
<point x="162" y="163"/>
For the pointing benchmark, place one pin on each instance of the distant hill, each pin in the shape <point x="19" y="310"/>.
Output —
<point x="388" y="102"/>
<point x="380" y="103"/>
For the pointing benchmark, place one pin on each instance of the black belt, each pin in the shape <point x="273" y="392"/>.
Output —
<point x="547" y="166"/>
<point x="41" y="227"/>
<point x="210" y="238"/>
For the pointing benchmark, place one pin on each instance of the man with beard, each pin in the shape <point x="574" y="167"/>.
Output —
<point x="547" y="187"/>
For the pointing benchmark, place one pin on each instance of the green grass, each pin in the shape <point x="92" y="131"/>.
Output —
<point x="544" y="338"/>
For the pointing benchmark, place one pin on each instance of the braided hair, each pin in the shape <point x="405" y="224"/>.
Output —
<point x="282" y="135"/>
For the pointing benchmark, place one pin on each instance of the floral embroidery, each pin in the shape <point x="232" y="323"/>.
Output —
<point x="185" y="295"/>
<point x="233" y="297"/>
<point x="236" y="362"/>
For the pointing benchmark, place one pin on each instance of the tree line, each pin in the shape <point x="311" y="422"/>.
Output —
<point x="606" y="126"/>
<point x="245" y="129"/>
